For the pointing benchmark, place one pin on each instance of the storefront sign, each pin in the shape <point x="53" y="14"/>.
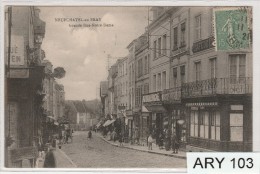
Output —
<point x="237" y="89"/>
<point x="154" y="97"/>
<point x="172" y="95"/>
<point x="23" y="153"/>
<point x="17" y="51"/>
<point x="202" y="104"/>
<point x="129" y="112"/>
<point x="121" y="108"/>
<point x="203" y="45"/>
<point x="18" y="73"/>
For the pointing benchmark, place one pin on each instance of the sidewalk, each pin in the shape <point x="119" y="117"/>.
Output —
<point x="155" y="150"/>
<point x="61" y="160"/>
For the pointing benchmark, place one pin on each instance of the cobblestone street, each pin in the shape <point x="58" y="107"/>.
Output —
<point x="96" y="153"/>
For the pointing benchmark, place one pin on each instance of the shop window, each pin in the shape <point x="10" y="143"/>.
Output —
<point x="192" y="124"/>
<point x="215" y="125"/>
<point x="236" y="126"/>
<point x="196" y="123"/>
<point x="204" y="124"/>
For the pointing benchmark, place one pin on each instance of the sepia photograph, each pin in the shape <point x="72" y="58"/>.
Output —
<point x="125" y="86"/>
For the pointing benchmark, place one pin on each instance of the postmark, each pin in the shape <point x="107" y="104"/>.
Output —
<point x="232" y="29"/>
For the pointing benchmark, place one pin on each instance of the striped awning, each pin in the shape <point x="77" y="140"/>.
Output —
<point x="108" y="122"/>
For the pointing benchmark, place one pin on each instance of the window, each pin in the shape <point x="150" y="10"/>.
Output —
<point x="164" y="42"/>
<point x="236" y="126"/>
<point x="197" y="70"/>
<point x="159" y="82"/>
<point x="159" y="47"/>
<point x="140" y="67"/>
<point x="212" y="68"/>
<point x="155" y="49"/>
<point x="198" y="27"/>
<point x="154" y="83"/>
<point x="182" y="69"/>
<point x="133" y="75"/>
<point x="183" y="38"/>
<point x="237" y="68"/>
<point x="145" y="65"/>
<point x="175" y="38"/>
<point x="130" y="75"/>
<point x="214" y="125"/>
<point x="146" y="88"/>
<point x="175" y="77"/>
<point x="164" y="80"/>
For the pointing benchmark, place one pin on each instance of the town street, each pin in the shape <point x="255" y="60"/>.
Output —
<point x="96" y="153"/>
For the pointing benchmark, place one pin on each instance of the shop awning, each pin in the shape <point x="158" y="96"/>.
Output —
<point x="156" y="108"/>
<point x="99" y="124"/>
<point x="51" y="117"/>
<point x="108" y="122"/>
<point x="144" y="109"/>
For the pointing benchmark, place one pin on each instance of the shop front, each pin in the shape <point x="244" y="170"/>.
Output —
<point x="130" y="124"/>
<point x="175" y="122"/>
<point x="219" y="114"/>
<point x="153" y="103"/>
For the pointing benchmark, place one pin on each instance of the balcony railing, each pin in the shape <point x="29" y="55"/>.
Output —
<point x="217" y="86"/>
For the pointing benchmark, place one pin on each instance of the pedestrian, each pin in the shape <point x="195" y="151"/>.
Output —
<point x="49" y="161"/>
<point x="137" y="137"/>
<point x="89" y="134"/>
<point x="160" y="142"/>
<point x="150" y="142"/>
<point x="121" y="139"/>
<point x="175" y="143"/>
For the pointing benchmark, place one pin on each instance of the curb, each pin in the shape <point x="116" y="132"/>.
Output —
<point x="66" y="156"/>
<point x="153" y="152"/>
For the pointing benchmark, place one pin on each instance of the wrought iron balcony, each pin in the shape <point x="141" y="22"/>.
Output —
<point x="217" y="86"/>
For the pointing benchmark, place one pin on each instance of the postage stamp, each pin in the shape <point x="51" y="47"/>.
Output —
<point x="125" y="86"/>
<point x="232" y="29"/>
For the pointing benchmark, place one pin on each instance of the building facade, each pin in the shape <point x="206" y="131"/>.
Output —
<point x="24" y="75"/>
<point x="201" y="95"/>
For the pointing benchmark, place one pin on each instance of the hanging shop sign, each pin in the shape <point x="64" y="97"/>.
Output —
<point x="17" y="51"/>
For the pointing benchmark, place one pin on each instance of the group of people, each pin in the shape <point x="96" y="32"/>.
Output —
<point x="161" y="140"/>
<point x="65" y="135"/>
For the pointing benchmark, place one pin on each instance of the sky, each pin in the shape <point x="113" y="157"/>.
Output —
<point x="83" y="51"/>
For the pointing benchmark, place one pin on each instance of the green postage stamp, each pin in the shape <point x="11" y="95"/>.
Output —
<point x="232" y="28"/>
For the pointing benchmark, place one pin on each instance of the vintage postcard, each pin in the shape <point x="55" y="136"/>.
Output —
<point x="125" y="86"/>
